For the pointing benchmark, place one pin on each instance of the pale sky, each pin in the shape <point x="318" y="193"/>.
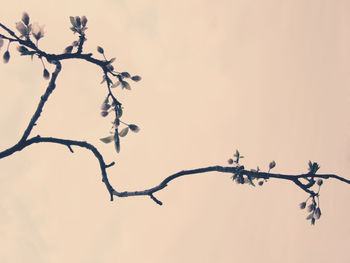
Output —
<point x="270" y="78"/>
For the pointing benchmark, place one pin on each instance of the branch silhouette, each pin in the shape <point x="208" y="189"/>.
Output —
<point x="309" y="182"/>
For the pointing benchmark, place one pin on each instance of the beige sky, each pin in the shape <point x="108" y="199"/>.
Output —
<point x="270" y="78"/>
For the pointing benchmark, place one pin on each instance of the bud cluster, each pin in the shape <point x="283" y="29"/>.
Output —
<point x="313" y="208"/>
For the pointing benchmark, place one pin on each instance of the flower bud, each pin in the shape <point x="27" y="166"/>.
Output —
<point x="136" y="78"/>
<point x="100" y="50"/>
<point x="6" y="56"/>
<point x="105" y="106"/>
<point x="313" y="221"/>
<point x="25" y="18"/>
<point x="68" y="49"/>
<point x="311" y="207"/>
<point x="134" y="128"/>
<point x="261" y="183"/>
<point x="104" y="113"/>
<point x="320" y="182"/>
<point x="46" y="74"/>
<point x="272" y="165"/>
<point x="230" y="161"/>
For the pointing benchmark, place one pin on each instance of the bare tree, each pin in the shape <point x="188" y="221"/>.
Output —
<point x="28" y="37"/>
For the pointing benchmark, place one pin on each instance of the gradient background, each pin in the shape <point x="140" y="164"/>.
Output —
<point x="270" y="78"/>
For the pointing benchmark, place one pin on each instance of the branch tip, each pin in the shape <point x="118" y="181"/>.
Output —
<point x="155" y="199"/>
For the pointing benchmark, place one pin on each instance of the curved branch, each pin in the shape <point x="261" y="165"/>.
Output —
<point x="21" y="145"/>
<point x="231" y="170"/>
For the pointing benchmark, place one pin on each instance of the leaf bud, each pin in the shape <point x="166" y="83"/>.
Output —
<point x="319" y="182"/>
<point x="261" y="183"/>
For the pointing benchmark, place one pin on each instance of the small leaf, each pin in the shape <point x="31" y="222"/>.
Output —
<point x="103" y="79"/>
<point x="116" y="84"/>
<point x="136" y="78"/>
<point x="310" y="165"/>
<point x="83" y="21"/>
<point x="77" y="21"/>
<point x="125" y="74"/>
<point x="111" y="61"/>
<point x="250" y="181"/>
<point x="311" y="207"/>
<point x="124" y="132"/>
<point x="310" y="216"/>
<point x="75" y="43"/>
<point x="25" y="18"/>
<point x="119" y="112"/>
<point x="125" y="85"/>
<point x="74" y="29"/>
<point x="72" y="21"/>
<point x="46" y="74"/>
<point x="107" y="139"/>
<point x="116" y="141"/>
<point x="23" y="50"/>
<point x="22" y="28"/>
<point x="6" y="56"/>
<point x="100" y="50"/>
<point x="37" y="31"/>
<point x="317" y="213"/>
